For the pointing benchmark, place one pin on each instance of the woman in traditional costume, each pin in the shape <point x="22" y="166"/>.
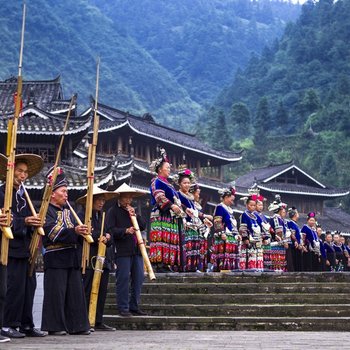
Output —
<point x="193" y="225"/>
<point x="265" y="226"/>
<point x="280" y="235"/>
<point x="225" y="246"/>
<point x="207" y="223"/>
<point x="312" y="242"/>
<point x="166" y="219"/>
<point x="251" y="256"/>
<point x="296" y="241"/>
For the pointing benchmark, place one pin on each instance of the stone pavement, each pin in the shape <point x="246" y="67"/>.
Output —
<point x="182" y="340"/>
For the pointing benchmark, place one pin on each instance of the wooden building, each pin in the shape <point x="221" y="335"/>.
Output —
<point x="299" y="189"/>
<point x="128" y="143"/>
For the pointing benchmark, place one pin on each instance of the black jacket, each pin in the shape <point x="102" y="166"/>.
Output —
<point x="60" y="240"/>
<point x="96" y="226"/>
<point x="117" y="221"/>
<point x="19" y="246"/>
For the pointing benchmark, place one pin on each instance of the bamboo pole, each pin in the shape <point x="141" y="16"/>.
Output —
<point x="90" y="175"/>
<point x="87" y="238"/>
<point x="142" y="247"/>
<point x="11" y="149"/>
<point x="98" y="271"/>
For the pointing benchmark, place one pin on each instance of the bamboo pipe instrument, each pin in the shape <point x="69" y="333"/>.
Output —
<point x="90" y="174"/>
<point x="87" y="237"/>
<point x="32" y="209"/>
<point x="98" y="271"/>
<point x="11" y="149"/>
<point x="142" y="247"/>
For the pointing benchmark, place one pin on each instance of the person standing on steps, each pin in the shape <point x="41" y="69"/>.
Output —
<point x="128" y="258"/>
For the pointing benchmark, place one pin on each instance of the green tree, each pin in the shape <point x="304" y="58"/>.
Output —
<point x="221" y="139"/>
<point x="281" y="116"/>
<point x="262" y="121"/>
<point x="239" y="122"/>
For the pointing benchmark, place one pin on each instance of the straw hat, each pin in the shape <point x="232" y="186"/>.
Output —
<point x="107" y="195"/>
<point x="124" y="188"/>
<point x="34" y="162"/>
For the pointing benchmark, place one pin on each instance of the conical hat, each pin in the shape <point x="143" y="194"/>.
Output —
<point x="124" y="188"/>
<point x="34" y="162"/>
<point x="98" y="192"/>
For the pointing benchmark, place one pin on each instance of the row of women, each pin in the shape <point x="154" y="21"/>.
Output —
<point x="67" y="289"/>
<point x="182" y="239"/>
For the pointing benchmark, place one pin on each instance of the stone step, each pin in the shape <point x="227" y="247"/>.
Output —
<point x="229" y="323"/>
<point x="235" y="310"/>
<point x="248" y="277"/>
<point x="240" y="298"/>
<point x="233" y="288"/>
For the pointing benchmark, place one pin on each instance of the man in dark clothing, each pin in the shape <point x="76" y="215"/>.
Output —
<point x="20" y="286"/>
<point x="64" y="307"/>
<point x="99" y="199"/>
<point x="128" y="256"/>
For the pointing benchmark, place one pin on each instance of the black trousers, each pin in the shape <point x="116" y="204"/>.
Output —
<point x="289" y="259"/>
<point x="102" y="292"/>
<point x="297" y="259"/>
<point x="64" y="306"/>
<point x="3" y="288"/>
<point x="20" y="294"/>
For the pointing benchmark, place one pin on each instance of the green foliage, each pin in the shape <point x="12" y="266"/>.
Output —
<point x="169" y="58"/>
<point x="239" y="122"/>
<point x="303" y="88"/>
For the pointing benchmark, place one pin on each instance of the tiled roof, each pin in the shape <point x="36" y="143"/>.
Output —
<point x="335" y="219"/>
<point x="45" y="94"/>
<point x="33" y="120"/>
<point x="262" y="178"/>
<point x="303" y="189"/>
<point x="75" y="170"/>
<point x="260" y="174"/>
<point x="116" y="119"/>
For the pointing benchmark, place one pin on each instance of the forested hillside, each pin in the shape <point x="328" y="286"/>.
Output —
<point x="201" y="42"/>
<point x="293" y="102"/>
<point x="161" y="57"/>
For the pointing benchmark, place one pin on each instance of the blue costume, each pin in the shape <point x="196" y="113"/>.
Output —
<point x="330" y="255"/>
<point x="296" y="252"/>
<point x="193" y="240"/>
<point x="312" y="261"/>
<point x="251" y="255"/>
<point x="165" y="234"/>
<point x="339" y="253"/>
<point x="224" y="253"/>
<point x="278" y="251"/>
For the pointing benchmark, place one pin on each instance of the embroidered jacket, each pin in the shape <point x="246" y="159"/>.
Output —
<point x="295" y="229"/>
<point x="224" y="220"/>
<point x="162" y="194"/>
<point x="249" y="226"/>
<point x="60" y="240"/>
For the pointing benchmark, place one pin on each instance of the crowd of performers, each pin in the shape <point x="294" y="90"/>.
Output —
<point x="183" y="238"/>
<point x="67" y="288"/>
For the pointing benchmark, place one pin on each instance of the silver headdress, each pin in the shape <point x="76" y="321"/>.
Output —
<point x="228" y="191"/>
<point x="154" y="166"/>
<point x="277" y="204"/>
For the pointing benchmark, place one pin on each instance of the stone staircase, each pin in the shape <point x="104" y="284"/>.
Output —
<point x="240" y="301"/>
